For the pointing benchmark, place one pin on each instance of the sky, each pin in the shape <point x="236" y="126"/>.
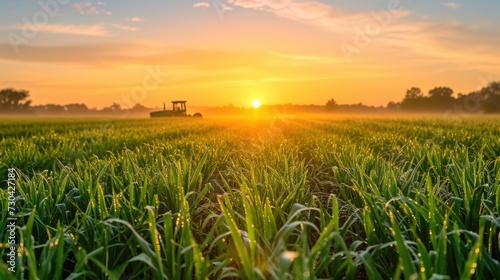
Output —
<point x="219" y="52"/>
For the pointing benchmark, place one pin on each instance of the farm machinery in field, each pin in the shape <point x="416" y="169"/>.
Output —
<point x="178" y="110"/>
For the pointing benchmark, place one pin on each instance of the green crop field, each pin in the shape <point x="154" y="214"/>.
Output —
<point x="297" y="198"/>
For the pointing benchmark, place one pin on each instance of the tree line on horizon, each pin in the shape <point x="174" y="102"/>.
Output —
<point x="438" y="100"/>
<point x="14" y="101"/>
<point x="441" y="100"/>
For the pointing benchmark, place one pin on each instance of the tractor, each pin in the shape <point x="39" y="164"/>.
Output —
<point x="178" y="110"/>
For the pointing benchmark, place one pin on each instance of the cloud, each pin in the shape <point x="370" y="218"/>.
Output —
<point x="291" y="9"/>
<point x="201" y="5"/>
<point x="85" y="8"/>
<point x="97" y="30"/>
<point x="452" y="5"/>
<point x="315" y="13"/>
<point x="87" y="30"/>
<point x="390" y="33"/>
<point x="88" y="8"/>
<point x="124" y="27"/>
<point x="134" y="19"/>
<point x="197" y="60"/>
<point x="223" y="7"/>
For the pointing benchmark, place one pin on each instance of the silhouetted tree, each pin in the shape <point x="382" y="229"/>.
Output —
<point x="331" y="105"/>
<point x="467" y="103"/>
<point x="440" y="99"/>
<point x="439" y="92"/>
<point x="114" y="108"/>
<point x="139" y="107"/>
<point x="12" y="100"/>
<point x="414" y="93"/>
<point x="414" y="100"/>
<point x="53" y="109"/>
<point x="491" y="95"/>
<point x="393" y="105"/>
<point x="76" y="108"/>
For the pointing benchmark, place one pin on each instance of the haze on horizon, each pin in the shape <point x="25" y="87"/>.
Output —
<point x="235" y="51"/>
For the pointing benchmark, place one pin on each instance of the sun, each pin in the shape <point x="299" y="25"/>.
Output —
<point x="256" y="104"/>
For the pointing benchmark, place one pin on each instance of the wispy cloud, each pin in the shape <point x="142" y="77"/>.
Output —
<point x="201" y="5"/>
<point x="313" y="13"/>
<point x="198" y="60"/>
<point x="70" y="29"/>
<point x="452" y="5"/>
<point x="124" y="27"/>
<point x="88" y="8"/>
<point x="87" y="30"/>
<point x="435" y="41"/>
<point x="134" y="19"/>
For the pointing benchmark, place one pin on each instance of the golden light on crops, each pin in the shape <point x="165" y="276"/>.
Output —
<point x="256" y="104"/>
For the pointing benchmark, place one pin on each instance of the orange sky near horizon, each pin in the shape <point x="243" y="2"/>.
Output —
<point x="232" y="52"/>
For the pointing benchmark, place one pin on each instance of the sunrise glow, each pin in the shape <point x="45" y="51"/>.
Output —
<point x="256" y="104"/>
<point x="214" y="53"/>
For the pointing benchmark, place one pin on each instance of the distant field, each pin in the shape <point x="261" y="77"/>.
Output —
<point x="252" y="199"/>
